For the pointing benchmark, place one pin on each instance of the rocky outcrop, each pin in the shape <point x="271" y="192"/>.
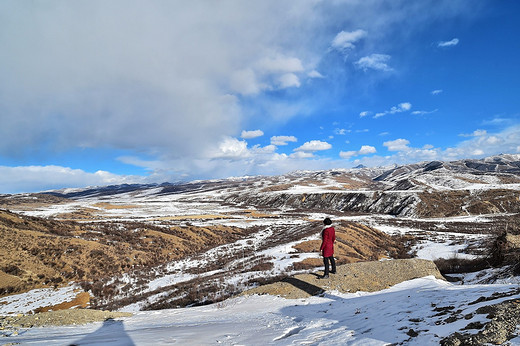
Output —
<point x="362" y="276"/>
<point x="379" y="202"/>
<point x="504" y="319"/>
<point x="404" y="203"/>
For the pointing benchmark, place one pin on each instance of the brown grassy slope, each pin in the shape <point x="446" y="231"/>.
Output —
<point x="451" y="203"/>
<point x="354" y="243"/>
<point x="36" y="252"/>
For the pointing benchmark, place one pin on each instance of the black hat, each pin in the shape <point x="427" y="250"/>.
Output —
<point x="327" y="221"/>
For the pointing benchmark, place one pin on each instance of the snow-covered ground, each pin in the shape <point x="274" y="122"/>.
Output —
<point x="361" y="318"/>
<point x="390" y="316"/>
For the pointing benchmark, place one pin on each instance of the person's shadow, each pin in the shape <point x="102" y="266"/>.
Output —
<point x="311" y="289"/>
<point x="112" y="332"/>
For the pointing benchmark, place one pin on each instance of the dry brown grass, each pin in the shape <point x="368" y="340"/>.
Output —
<point x="81" y="300"/>
<point x="109" y="206"/>
<point x="257" y="214"/>
<point x="352" y="184"/>
<point x="354" y="243"/>
<point x="40" y="253"/>
<point x="449" y="203"/>
<point x="81" y="214"/>
<point x="279" y="187"/>
<point x="194" y="217"/>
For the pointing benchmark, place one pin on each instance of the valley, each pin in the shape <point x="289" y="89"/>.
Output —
<point x="153" y="247"/>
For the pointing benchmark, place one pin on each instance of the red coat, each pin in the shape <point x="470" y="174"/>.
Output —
<point x="328" y="237"/>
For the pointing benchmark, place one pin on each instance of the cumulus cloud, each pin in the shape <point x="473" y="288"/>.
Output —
<point x="450" y="43"/>
<point x="377" y="62"/>
<point x="282" y="140"/>
<point x="347" y="154"/>
<point x="147" y="78"/>
<point x="476" y="133"/>
<point x="251" y="134"/>
<point x="231" y="148"/>
<point x="313" y="146"/>
<point x="402" y="107"/>
<point x="397" y="145"/>
<point x="480" y="144"/>
<point x="365" y="150"/>
<point x="364" y="114"/>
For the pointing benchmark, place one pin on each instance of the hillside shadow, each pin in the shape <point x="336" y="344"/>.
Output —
<point x="311" y="289"/>
<point x="112" y="332"/>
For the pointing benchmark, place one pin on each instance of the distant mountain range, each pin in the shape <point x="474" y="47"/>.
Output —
<point x="435" y="188"/>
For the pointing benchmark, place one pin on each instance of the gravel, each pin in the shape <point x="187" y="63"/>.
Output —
<point x="10" y="325"/>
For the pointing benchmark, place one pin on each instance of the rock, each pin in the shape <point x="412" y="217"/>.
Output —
<point x="504" y="319"/>
<point x="362" y="276"/>
<point x="61" y="318"/>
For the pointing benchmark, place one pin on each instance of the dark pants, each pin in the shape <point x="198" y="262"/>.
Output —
<point x="326" y="261"/>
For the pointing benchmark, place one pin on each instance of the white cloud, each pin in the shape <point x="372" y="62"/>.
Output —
<point x="313" y="146"/>
<point x="289" y="80"/>
<point x="268" y="149"/>
<point x="375" y="62"/>
<point x="365" y="150"/>
<point x="345" y="40"/>
<point x="476" y="133"/>
<point x="142" y="77"/>
<point x="347" y="154"/>
<point x="450" y="43"/>
<point x="397" y="145"/>
<point x="41" y="178"/>
<point x="424" y="112"/>
<point x="364" y="114"/>
<point x="282" y="140"/>
<point x="402" y="107"/>
<point x="315" y="74"/>
<point x="405" y="106"/>
<point x="302" y="155"/>
<point x="493" y="140"/>
<point x="436" y="92"/>
<point x="481" y="145"/>
<point x="245" y="82"/>
<point x="341" y="132"/>
<point x="252" y="134"/>
<point x="231" y="148"/>
<point x="146" y="77"/>
<point x="280" y="64"/>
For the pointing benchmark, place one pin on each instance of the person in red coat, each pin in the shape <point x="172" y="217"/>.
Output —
<point x="328" y="237"/>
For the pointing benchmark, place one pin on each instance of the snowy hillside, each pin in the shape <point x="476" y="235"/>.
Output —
<point x="418" y="312"/>
<point x="205" y="241"/>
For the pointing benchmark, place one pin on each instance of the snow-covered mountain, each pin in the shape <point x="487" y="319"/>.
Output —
<point x="413" y="190"/>
<point x="258" y="228"/>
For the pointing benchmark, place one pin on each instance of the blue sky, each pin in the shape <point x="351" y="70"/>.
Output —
<point x="97" y="93"/>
